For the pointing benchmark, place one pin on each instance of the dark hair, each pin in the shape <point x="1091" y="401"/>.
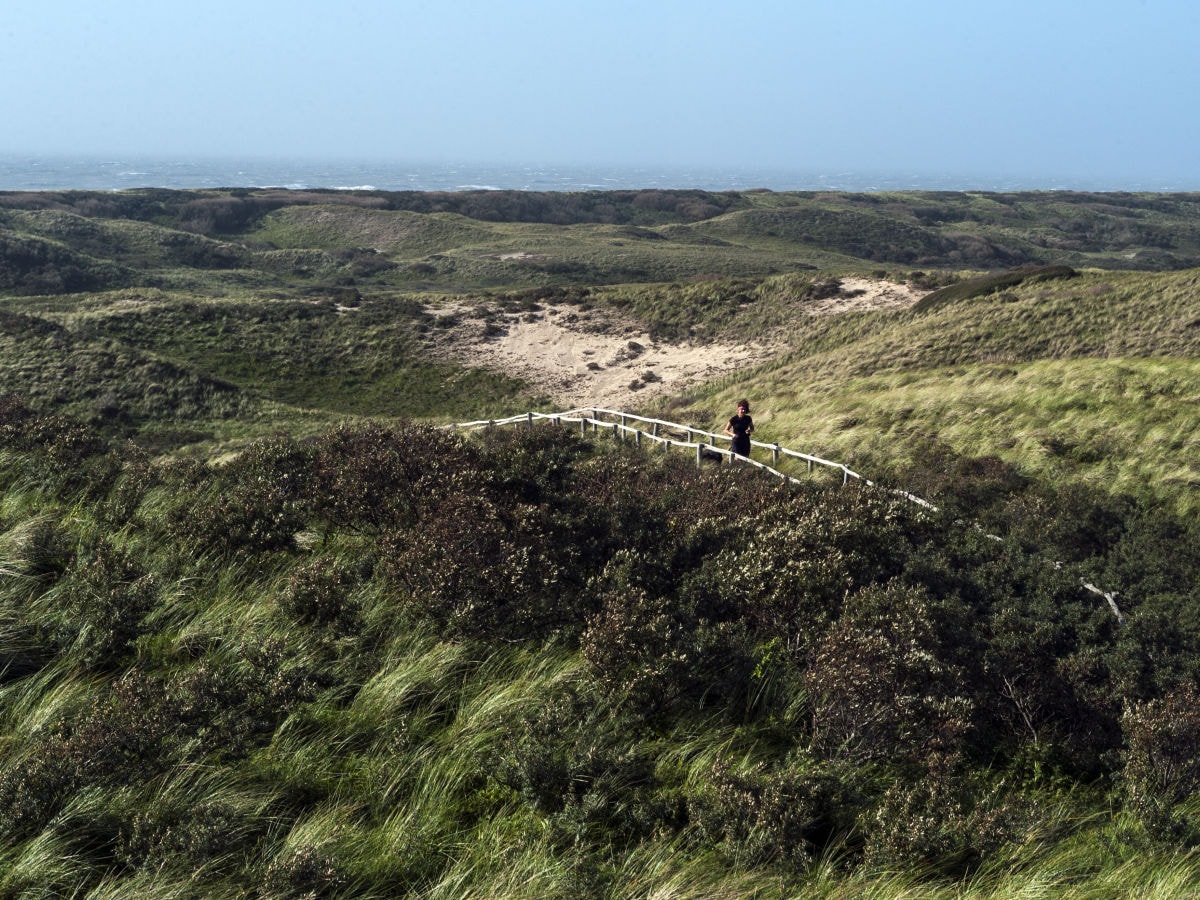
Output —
<point x="745" y="403"/>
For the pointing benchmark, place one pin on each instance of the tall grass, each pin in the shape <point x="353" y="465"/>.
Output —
<point x="1093" y="380"/>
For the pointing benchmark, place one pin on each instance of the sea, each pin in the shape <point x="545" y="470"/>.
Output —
<point x="115" y="173"/>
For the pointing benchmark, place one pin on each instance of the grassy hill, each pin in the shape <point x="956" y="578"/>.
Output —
<point x="266" y="631"/>
<point x="1091" y="378"/>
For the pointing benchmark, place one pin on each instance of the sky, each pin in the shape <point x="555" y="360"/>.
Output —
<point x="1105" y="89"/>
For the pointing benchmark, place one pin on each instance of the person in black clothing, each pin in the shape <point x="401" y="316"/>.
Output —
<point x="739" y="427"/>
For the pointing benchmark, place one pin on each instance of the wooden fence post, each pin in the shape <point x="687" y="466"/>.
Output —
<point x="699" y="455"/>
<point x="775" y="455"/>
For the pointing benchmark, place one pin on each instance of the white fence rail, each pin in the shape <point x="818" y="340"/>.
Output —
<point x="672" y="435"/>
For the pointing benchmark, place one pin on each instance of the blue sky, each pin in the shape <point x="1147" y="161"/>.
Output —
<point x="1103" y="89"/>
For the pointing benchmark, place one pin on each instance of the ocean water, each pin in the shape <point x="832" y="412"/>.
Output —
<point x="37" y="173"/>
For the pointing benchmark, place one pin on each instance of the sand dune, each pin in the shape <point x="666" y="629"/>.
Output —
<point x="595" y="358"/>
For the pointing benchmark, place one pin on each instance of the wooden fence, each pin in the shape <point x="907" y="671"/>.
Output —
<point x="643" y="431"/>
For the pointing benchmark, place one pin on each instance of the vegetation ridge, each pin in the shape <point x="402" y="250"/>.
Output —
<point x="268" y="629"/>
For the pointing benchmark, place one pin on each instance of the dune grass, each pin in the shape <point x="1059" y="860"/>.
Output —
<point x="213" y="687"/>
<point x="1093" y="379"/>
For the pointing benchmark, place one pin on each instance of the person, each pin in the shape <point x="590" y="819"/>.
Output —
<point x="740" y="427"/>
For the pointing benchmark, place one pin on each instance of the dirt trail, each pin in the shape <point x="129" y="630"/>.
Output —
<point x="595" y="358"/>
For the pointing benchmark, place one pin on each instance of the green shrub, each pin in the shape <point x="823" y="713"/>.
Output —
<point x="1162" y="768"/>
<point x="883" y="684"/>
<point x="768" y="815"/>
<point x="257" y="502"/>
<point x="108" y="598"/>
<point x="944" y="825"/>
<point x="317" y="593"/>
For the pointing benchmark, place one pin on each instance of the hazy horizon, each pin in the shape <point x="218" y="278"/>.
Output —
<point x="1045" y="91"/>
<point x="124" y="172"/>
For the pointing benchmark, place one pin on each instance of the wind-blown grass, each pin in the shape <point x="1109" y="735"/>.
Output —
<point x="1093" y="379"/>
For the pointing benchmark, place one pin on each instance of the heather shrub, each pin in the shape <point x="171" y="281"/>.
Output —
<point x="575" y="758"/>
<point x="317" y="593"/>
<point x="641" y="646"/>
<point x="883" y="682"/>
<point x="168" y="834"/>
<point x="943" y="825"/>
<point x="64" y="443"/>
<point x="789" y="578"/>
<point x="122" y="735"/>
<point x="304" y="872"/>
<point x="232" y="700"/>
<point x="368" y="477"/>
<point x="1162" y="767"/>
<point x="108" y="596"/>
<point x="765" y="815"/>
<point x="1046" y="662"/>
<point x="130" y="477"/>
<point x="482" y="563"/>
<point x="257" y="502"/>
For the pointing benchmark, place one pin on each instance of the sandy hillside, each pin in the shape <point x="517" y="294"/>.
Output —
<point x="595" y="358"/>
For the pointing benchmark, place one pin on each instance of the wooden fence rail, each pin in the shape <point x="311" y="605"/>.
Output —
<point x="672" y="435"/>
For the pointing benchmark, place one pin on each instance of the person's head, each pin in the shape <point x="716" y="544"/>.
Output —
<point x="743" y="407"/>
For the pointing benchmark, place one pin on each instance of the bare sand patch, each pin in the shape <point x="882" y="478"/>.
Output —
<point x="596" y="358"/>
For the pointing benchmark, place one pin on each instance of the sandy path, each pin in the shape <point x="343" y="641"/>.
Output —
<point x="594" y="358"/>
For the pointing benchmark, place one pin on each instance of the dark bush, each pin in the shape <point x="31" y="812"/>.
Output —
<point x="573" y="758"/>
<point x="171" y="835"/>
<point x="1046" y="663"/>
<point x="306" y="872"/>
<point x="64" y="445"/>
<point x="257" y="502"/>
<point x="641" y="646"/>
<point x="108" y="598"/>
<point x="790" y="577"/>
<point x="769" y="815"/>
<point x="317" y="593"/>
<point x="122" y="735"/>
<point x="475" y="569"/>
<point x="944" y="825"/>
<point x="884" y="685"/>
<point x="1162" y="767"/>
<point x="371" y="477"/>
<point x="234" y="698"/>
